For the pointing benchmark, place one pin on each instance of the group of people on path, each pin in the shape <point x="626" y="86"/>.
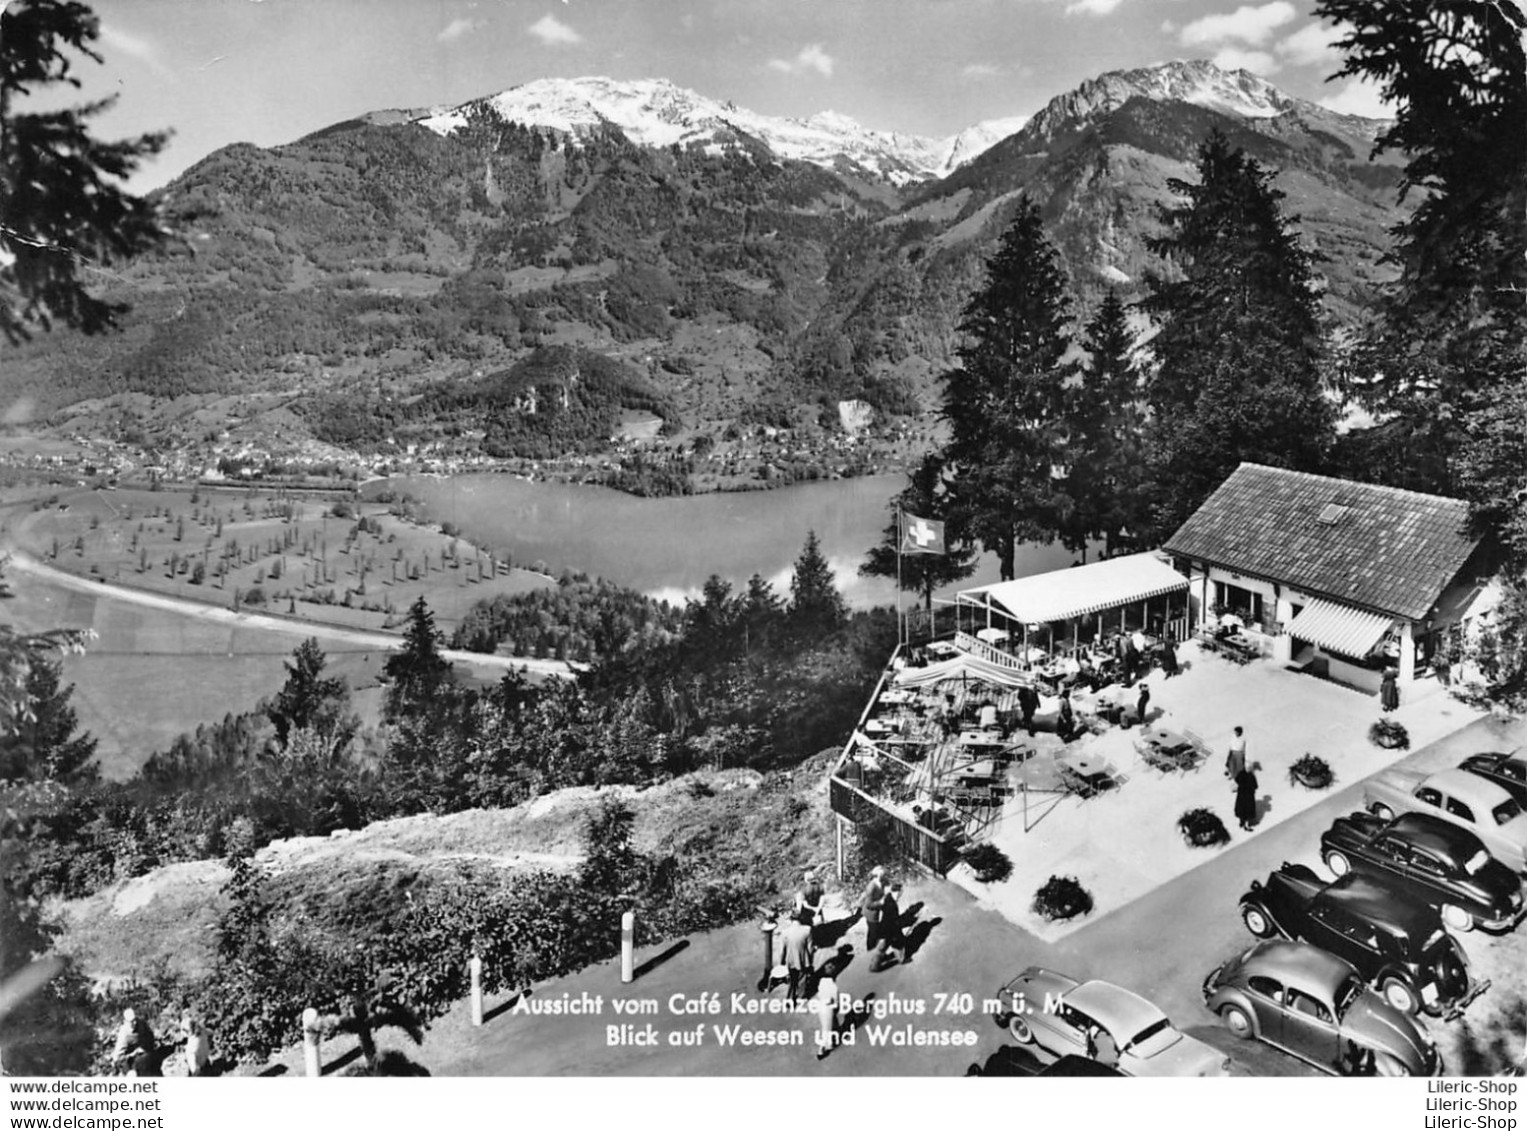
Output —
<point x="885" y="944"/>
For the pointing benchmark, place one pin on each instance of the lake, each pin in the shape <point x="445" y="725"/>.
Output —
<point x="668" y="547"/>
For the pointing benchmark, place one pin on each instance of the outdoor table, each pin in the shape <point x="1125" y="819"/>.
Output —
<point x="1167" y="741"/>
<point x="1092" y="769"/>
<point x="942" y="648"/>
<point x="874" y="727"/>
<point x="979" y="738"/>
<point x="897" y="698"/>
<point x="1241" y="648"/>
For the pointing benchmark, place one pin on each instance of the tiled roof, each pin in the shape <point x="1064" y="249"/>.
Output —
<point x="1379" y="547"/>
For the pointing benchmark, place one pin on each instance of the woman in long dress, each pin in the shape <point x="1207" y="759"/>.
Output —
<point x="1246" y="798"/>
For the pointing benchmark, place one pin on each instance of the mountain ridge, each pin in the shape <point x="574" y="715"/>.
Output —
<point x="379" y="261"/>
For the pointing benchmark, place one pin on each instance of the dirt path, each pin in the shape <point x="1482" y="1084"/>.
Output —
<point x="23" y="563"/>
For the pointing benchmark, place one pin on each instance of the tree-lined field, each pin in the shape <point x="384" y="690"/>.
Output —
<point x="355" y="564"/>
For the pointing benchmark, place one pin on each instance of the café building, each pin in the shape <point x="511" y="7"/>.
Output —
<point x="1337" y="578"/>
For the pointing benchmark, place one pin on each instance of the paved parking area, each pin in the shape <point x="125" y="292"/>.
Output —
<point x="1124" y="842"/>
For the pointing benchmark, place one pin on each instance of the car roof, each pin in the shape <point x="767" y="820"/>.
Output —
<point x="1120" y="1011"/>
<point x="1380" y="904"/>
<point x="1442" y="837"/>
<point x="1495" y="759"/>
<point x="1472" y="788"/>
<point x="1298" y="964"/>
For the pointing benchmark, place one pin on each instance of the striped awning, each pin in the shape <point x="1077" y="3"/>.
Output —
<point x="1341" y="628"/>
<point x="1081" y="590"/>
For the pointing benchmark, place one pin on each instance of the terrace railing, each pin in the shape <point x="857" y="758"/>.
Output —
<point x="980" y="649"/>
<point x="925" y="846"/>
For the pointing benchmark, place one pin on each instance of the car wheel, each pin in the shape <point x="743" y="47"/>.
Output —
<point x="1338" y="863"/>
<point x="1400" y="995"/>
<point x="1021" y="1030"/>
<point x="1388" y="1066"/>
<point x="1237" y="1022"/>
<point x="1457" y="918"/>
<point x="1256" y="921"/>
<point x="1382" y="811"/>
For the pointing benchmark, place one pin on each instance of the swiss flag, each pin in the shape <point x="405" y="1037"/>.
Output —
<point x="921" y="535"/>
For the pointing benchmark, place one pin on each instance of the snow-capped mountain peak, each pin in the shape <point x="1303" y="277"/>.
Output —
<point x="655" y="112"/>
<point x="1198" y="81"/>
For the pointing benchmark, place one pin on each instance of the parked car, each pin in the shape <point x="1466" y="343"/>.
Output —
<point x="1464" y="798"/>
<point x="1058" y="1014"/>
<point x="1507" y="770"/>
<point x="1070" y="1065"/>
<point x="1398" y="945"/>
<point x="1315" y="1006"/>
<point x="1432" y="862"/>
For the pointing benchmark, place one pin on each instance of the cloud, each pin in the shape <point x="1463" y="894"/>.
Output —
<point x="1313" y="43"/>
<point x="1247" y="24"/>
<point x="1358" y="97"/>
<point x="456" y="29"/>
<point x="1234" y="58"/>
<point x="116" y="41"/>
<point x="553" y="32"/>
<point x="980" y="71"/>
<point x="1092" y="7"/>
<point x="810" y="58"/>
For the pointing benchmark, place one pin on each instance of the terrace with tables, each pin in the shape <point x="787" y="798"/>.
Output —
<point x="946" y="745"/>
<point x="942" y="754"/>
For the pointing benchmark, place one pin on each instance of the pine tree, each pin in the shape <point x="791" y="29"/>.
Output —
<point x="308" y="699"/>
<point x="1452" y="336"/>
<point x="43" y="745"/>
<point x="816" y="606"/>
<point x="1107" y="436"/>
<point x="926" y="496"/>
<point x="59" y="186"/>
<point x="761" y="612"/>
<point x="1239" y="353"/>
<point x="1007" y="404"/>
<point x="418" y="673"/>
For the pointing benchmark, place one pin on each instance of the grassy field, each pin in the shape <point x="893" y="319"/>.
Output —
<point x="149" y="675"/>
<point x="288" y="554"/>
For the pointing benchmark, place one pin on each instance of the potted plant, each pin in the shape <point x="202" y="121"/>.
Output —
<point x="1389" y="734"/>
<point x="1202" y="828"/>
<point x="1311" y="772"/>
<point x="990" y="864"/>
<point x="1061" y="898"/>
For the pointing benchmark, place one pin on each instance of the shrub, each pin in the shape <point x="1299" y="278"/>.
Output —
<point x="1389" y="734"/>
<point x="1311" y="772"/>
<point x="1061" y="898"/>
<point x="1202" y="828"/>
<point x="990" y="864"/>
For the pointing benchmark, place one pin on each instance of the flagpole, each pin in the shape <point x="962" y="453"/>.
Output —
<point x="901" y="536"/>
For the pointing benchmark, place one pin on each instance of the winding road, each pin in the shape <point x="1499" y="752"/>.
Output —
<point x="21" y="562"/>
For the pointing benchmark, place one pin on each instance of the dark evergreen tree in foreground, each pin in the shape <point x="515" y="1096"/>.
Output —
<point x="1008" y="404"/>
<point x="924" y="574"/>
<point x="1107" y="453"/>
<point x="42" y="744"/>
<point x="418" y="674"/>
<point x="816" y="606"/>
<point x="62" y="210"/>
<point x="308" y="699"/>
<point x="1238" y="355"/>
<point x="1452" y="336"/>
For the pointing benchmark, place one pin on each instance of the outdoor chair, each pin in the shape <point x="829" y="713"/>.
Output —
<point x="1200" y="747"/>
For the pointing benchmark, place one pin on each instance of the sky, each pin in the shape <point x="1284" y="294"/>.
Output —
<point x="217" y="72"/>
